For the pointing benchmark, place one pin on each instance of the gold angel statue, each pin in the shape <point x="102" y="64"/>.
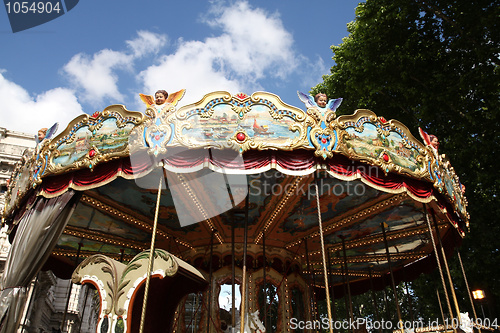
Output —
<point x="162" y="101"/>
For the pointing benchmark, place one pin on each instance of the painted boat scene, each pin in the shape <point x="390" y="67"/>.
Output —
<point x="224" y="123"/>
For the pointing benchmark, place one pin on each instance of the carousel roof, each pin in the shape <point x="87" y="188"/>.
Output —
<point x="366" y="171"/>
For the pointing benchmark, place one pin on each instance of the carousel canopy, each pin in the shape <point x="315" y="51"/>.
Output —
<point x="228" y="159"/>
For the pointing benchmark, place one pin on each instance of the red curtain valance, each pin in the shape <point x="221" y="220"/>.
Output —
<point x="293" y="162"/>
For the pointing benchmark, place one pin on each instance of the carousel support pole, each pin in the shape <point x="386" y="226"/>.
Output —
<point x="233" y="278"/>
<point x="334" y="312"/>
<point x="312" y="300"/>
<point x="210" y="272"/>
<point x="122" y="252"/>
<point x="468" y="289"/>
<point x="70" y="287"/>
<point x="450" y="281"/>
<point x="346" y="274"/>
<point x="440" y="306"/>
<point x="151" y="252"/>
<point x="439" y="266"/>
<point x="344" y="285"/>
<point x="244" y="289"/>
<point x="264" y="271"/>
<point x="320" y="223"/>
<point x="386" y="301"/>
<point x="28" y="308"/>
<point x="374" y="299"/>
<point x="400" y="319"/>
<point x="410" y="302"/>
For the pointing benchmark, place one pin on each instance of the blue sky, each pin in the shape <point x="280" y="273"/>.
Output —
<point x="106" y="52"/>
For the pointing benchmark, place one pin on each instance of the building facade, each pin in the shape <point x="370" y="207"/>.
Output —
<point x="12" y="146"/>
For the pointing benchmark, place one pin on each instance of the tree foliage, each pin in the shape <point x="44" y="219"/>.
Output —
<point x="434" y="64"/>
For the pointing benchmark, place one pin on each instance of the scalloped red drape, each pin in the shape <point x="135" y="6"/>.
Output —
<point x="253" y="161"/>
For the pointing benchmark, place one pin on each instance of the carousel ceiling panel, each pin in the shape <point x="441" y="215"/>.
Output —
<point x="71" y="243"/>
<point x="337" y="198"/>
<point x="89" y="218"/>
<point x="407" y="214"/>
<point x="399" y="244"/>
<point x="139" y="201"/>
<point x="284" y="206"/>
<point x="127" y="194"/>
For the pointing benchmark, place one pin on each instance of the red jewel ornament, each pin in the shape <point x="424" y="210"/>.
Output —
<point x="157" y="137"/>
<point x="385" y="157"/>
<point x="382" y="119"/>
<point x="96" y="114"/>
<point x="92" y="153"/>
<point x="323" y="140"/>
<point x="240" y="136"/>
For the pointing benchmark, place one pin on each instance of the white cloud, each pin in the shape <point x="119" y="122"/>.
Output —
<point x="253" y="46"/>
<point x="146" y="42"/>
<point x="20" y="112"/>
<point x="258" y="42"/>
<point x="191" y="67"/>
<point x="96" y="75"/>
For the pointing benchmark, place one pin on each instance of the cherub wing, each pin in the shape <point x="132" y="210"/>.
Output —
<point x="333" y="104"/>
<point x="307" y="100"/>
<point x="147" y="99"/>
<point x="51" y="131"/>
<point x="173" y="98"/>
<point x="424" y="136"/>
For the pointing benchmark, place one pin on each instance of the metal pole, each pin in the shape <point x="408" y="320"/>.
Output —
<point x="375" y="306"/>
<point x="468" y="289"/>
<point x="344" y="285"/>
<point x="327" y="291"/>
<point x="441" y="307"/>
<point x="387" y="313"/>
<point x="264" y="270"/>
<point x="233" y="278"/>
<point x="244" y="289"/>
<point x="31" y="295"/>
<point x="383" y="224"/>
<point x="351" y="313"/>
<point x="410" y="302"/>
<point x="334" y="312"/>
<point x="151" y="254"/>
<point x="482" y="310"/>
<point x="439" y="265"/>
<point x="312" y="300"/>
<point x="438" y="236"/>
<point x="209" y="300"/>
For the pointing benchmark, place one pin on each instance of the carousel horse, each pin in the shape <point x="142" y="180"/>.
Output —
<point x="252" y="324"/>
<point x="465" y="323"/>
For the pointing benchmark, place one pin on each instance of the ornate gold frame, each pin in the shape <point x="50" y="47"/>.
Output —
<point x="155" y="131"/>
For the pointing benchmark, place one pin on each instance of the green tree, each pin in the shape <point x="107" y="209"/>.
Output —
<point x="434" y="64"/>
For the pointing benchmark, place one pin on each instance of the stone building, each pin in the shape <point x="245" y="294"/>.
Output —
<point x="12" y="146"/>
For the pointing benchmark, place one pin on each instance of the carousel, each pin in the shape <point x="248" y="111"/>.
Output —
<point x="237" y="211"/>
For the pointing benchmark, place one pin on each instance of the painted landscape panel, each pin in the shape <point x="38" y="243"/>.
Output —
<point x="109" y="138"/>
<point x="372" y="144"/>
